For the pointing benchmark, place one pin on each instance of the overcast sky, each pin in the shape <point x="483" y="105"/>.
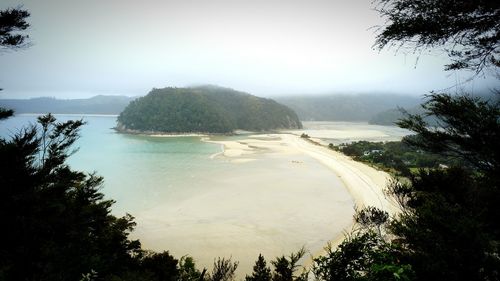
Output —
<point x="264" y="47"/>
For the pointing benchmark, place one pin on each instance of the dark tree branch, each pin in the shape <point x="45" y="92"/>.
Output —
<point x="468" y="29"/>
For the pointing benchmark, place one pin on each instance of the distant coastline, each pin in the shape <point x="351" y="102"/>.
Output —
<point x="121" y="130"/>
<point x="158" y="134"/>
<point x="151" y="133"/>
<point x="67" y="114"/>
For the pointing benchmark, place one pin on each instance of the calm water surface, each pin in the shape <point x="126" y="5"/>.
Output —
<point x="188" y="202"/>
<point x="139" y="171"/>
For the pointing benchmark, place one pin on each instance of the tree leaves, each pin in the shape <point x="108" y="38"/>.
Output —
<point x="469" y="30"/>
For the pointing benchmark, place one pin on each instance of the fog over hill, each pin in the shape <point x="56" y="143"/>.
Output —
<point x="375" y="108"/>
<point x="332" y="107"/>
<point x="346" y="107"/>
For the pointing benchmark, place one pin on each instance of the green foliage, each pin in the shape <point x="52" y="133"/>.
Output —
<point x="5" y="113"/>
<point x="398" y="157"/>
<point x="371" y="217"/>
<point x="468" y="29"/>
<point x="159" y="266"/>
<point x="261" y="272"/>
<point x="469" y="130"/>
<point x="205" y="109"/>
<point x="448" y="228"/>
<point x="364" y="256"/>
<point x="12" y="24"/>
<point x="285" y="268"/>
<point x="450" y="224"/>
<point x="223" y="270"/>
<point x="187" y="269"/>
<point x="57" y="225"/>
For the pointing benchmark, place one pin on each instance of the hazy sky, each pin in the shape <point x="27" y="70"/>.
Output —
<point x="265" y="47"/>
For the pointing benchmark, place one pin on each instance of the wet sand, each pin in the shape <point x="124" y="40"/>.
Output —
<point x="280" y="193"/>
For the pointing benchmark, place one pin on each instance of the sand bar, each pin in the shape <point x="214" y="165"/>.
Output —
<point x="278" y="193"/>
<point x="268" y="198"/>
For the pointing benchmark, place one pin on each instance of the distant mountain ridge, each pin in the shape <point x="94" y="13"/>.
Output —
<point x="206" y="109"/>
<point x="393" y="115"/>
<point x="101" y="104"/>
<point x="345" y="107"/>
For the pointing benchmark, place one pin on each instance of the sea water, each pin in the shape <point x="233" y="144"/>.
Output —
<point x="188" y="202"/>
<point x="139" y="172"/>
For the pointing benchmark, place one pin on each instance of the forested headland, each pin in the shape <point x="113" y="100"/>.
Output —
<point x="205" y="109"/>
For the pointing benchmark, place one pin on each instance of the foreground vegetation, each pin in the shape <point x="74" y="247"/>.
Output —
<point x="207" y="109"/>
<point x="60" y="227"/>
<point x="57" y="226"/>
<point x="448" y="227"/>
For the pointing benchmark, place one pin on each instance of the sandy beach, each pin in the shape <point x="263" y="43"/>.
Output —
<point x="280" y="193"/>
<point x="345" y="132"/>
<point x="364" y="183"/>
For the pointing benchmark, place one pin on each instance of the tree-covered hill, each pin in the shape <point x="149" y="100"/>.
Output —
<point x="345" y="107"/>
<point x="208" y="109"/>
<point x="393" y="115"/>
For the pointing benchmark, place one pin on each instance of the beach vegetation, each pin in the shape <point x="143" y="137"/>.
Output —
<point x="397" y="157"/>
<point x="370" y="217"/>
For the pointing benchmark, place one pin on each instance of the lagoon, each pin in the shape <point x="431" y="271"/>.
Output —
<point x="189" y="198"/>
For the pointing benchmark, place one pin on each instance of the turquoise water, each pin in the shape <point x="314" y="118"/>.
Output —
<point x="139" y="171"/>
<point x="188" y="202"/>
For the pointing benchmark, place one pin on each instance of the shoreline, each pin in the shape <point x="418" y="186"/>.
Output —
<point x="261" y="197"/>
<point x="277" y="192"/>
<point x="353" y="173"/>
<point x="364" y="183"/>
<point x="159" y="134"/>
<point x="119" y="128"/>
